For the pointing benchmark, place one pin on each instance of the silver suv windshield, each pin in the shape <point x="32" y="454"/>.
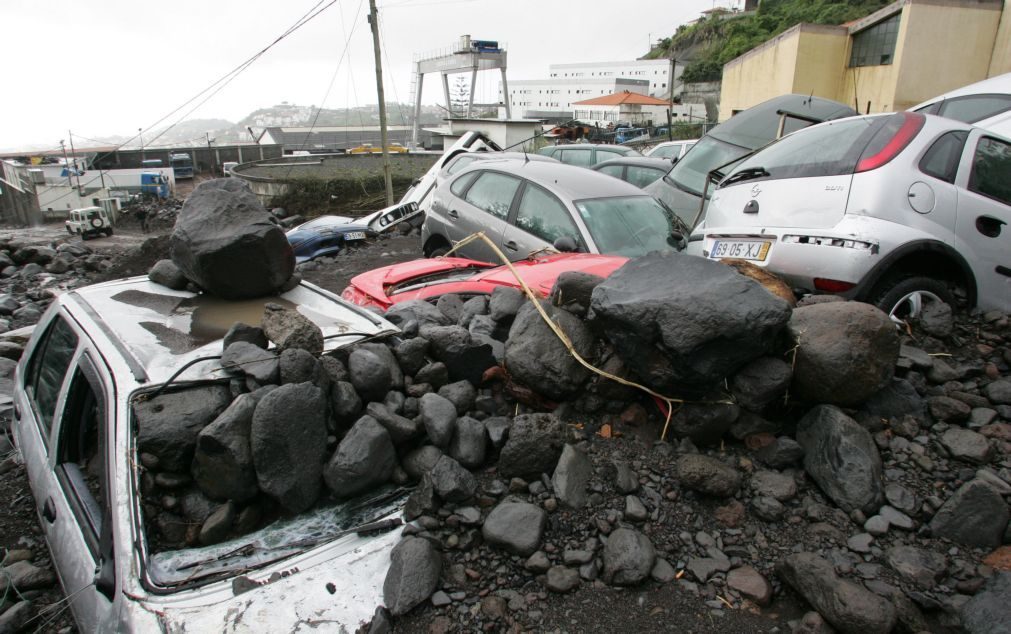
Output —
<point x="627" y="225"/>
<point x="690" y="172"/>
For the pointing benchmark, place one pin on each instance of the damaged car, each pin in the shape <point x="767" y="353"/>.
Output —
<point x="137" y="439"/>
<point x="432" y="278"/>
<point x="327" y="236"/>
<point x="899" y="210"/>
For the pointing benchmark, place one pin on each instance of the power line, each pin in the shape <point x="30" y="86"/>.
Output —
<point x="393" y="81"/>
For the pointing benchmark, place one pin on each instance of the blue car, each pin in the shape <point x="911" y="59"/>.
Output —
<point x="326" y="235"/>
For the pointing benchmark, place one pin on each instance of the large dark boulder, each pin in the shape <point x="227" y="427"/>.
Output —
<point x="989" y="612"/>
<point x="168" y="424"/>
<point x="223" y="462"/>
<point x="842" y="458"/>
<point x="535" y="443"/>
<point x="226" y="242"/>
<point x="683" y="322"/>
<point x="537" y="358"/>
<point x="365" y="458"/>
<point x="415" y="566"/>
<point x="288" y="440"/>
<point x="975" y="515"/>
<point x="846" y="351"/>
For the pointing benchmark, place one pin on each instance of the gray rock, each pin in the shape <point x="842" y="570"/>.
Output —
<point x="298" y="366"/>
<point x="860" y="543"/>
<point x="702" y="568"/>
<point x="497" y="428"/>
<point x="410" y="354"/>
<point x="708" y="475"/>
<point x="685" y="322"/>
<point x="625" y="480"/>
<point x="505" y="302"/>
<point x="17" y="617"/>
<point x="370" y="374"/>
<point x="465" y="359"/>
<point x="918" y="358"/>
<point x="515" y="526"/>
<point x="936" y="319"/>
<point x="227" y="243"/>
<point x="537" y="562"/>
<point x="166" y="273"/>
<point x="989" y="612"/>
<point x="473" y="307"/>
<point x="402" y="429"/>
<point x="365" y="458"/>
<point x="896" y="399"/>
<point x="469" y="442"/>
<point x="635" y="510"/>
<point x="534" y="446"/>
<point x="334" y="368"/>
<point x="846" y="352"/>
<point x="999" y="392"/>
<point x="782" y="453"/>
<point x="439" y="417"/>
<point x="921" y="567"/>
<point x="244" y="332"/>
<point x="415" y="568"/>
<point x="768" y="509"/>
<point x="461" y="393"/>
<point x="704" y="423"/>
<point x="223" y="461"/>
<point x="628" y="557"/>
<point x="24" y="576"/>
<point x="847" y="606"/>
<point x="435" y="374"/>
<point x="896" y="518"/>
<point x="168" y="424"/>
<point x="967" y="445"/>
<point x="345" y="403"/>
<point x="537" y="358"/>
<point x="420" y="461"/>
<point x="876" y="525"/>
<point x="947" y="409"/>
<point x="760" y="382"/>
<point x="289" y="328"/>
<point x="662" y="571"/>
<point x="288" y="441"/>
<point x="419" y="311"/>
<point x="842" y="458"/>
<point x="247" y="358"/>
<point x="901" y="498"/>
<point x="573" y="290"/>
<point x="975" y="515"/>
<point x="750" y="584"/>
<point x="571" y="475"/>
<point x="452" y="482"/>
<point x="218" y="524"/>
<point x="451" y="306"/>
<point x="561" y="579"/>
<point x="774" y="485"/>
<point x="422" y="500"/>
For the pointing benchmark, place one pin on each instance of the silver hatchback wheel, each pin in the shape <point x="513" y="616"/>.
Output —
<point x="911" y="305"/>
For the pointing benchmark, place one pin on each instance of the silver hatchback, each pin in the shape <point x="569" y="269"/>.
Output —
<point x="527" y="206"/>
<point x="897" y="210"/>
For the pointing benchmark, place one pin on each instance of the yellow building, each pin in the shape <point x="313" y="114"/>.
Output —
<point x="891" y="60"/>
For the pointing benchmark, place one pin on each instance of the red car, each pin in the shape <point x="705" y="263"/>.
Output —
<point x="431" y="277"/>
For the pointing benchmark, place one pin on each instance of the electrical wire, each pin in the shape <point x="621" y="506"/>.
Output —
<point x="393" y="82"/>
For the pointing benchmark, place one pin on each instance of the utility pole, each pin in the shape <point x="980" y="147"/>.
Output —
<point x="210" y="157"/>
<point x="140" y="133"/>
<point x="66" y="163"/>
<point x="374" y="21"/>
<point x="670" y="97"/>
<point x="77" y="172"/>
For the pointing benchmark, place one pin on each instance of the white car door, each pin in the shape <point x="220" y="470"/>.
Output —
<point x="63" y="433"/>
<point x="984" y="215"/>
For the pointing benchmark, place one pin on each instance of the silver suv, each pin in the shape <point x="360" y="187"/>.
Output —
<point x="527" y="206"/>
<point x="896" y="210"/>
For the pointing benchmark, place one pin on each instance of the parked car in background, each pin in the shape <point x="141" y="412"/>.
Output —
<point x="89" y="222"/>
<point x="586" y="154"/>
<point x="326" y="235"/>
<point x="682" y="188"/>
<point x="527" y="206"/>
<point x="898" y="210"/>
<point x="226" y="167"/>
<point x="637" y="170"/>
<point x="985" y="104"/>
<point x="96" y="357"/>
<point x="672" y="150"/>
<point x="431" y="278"/>
<point x="421" y="189"/>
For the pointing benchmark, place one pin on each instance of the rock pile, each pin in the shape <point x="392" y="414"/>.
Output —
<point x="876" y="502"/>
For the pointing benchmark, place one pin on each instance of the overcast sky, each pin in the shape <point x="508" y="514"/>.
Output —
<point x="107" y="67"/>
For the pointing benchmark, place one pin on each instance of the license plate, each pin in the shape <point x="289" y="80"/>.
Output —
<point x="740" y="249"/>
<point x="354" y="235"/>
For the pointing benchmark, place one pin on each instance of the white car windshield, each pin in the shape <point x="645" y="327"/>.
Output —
<point x="627" y="225"/>
<point x="690" y="173"/>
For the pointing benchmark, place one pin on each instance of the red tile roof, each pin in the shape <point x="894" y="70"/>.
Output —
<point x="626" y="97"/>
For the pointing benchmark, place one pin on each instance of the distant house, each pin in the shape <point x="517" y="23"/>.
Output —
<point x="891" y="60"/>
<point x="634" y="108"/>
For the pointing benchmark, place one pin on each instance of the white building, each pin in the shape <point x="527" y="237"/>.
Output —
<point x="654" y="71"/>
<point x="547" y="98"/>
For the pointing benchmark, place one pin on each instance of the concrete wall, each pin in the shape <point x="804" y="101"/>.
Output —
<point x="762" y="73"/>
<point x="822" y="55"/>
<point x="1000" y="62"/>
<point x="942" y="47"/>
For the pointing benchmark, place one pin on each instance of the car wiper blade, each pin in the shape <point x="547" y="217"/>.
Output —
<point x="745" y="175"/>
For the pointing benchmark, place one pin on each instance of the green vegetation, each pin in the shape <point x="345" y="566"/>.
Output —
<point x="713" y="42"/>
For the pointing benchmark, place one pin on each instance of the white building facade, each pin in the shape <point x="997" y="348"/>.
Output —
<point x="654" y="71"/>
<point x="546" y="98"/>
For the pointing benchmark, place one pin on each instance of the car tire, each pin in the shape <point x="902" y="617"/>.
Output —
<point x="438" y="252"/>
<point x="903" y="298"/>
<point x="70" y="231"/>
<point x="108" y="232"/>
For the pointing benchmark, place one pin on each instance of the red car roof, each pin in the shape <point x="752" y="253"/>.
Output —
<point x="379" y="287"/>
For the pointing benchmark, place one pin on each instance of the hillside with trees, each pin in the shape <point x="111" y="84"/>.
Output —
<point x="711" y="43"/>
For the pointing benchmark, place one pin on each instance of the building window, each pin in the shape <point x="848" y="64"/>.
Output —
<point x="875" y="45"/>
